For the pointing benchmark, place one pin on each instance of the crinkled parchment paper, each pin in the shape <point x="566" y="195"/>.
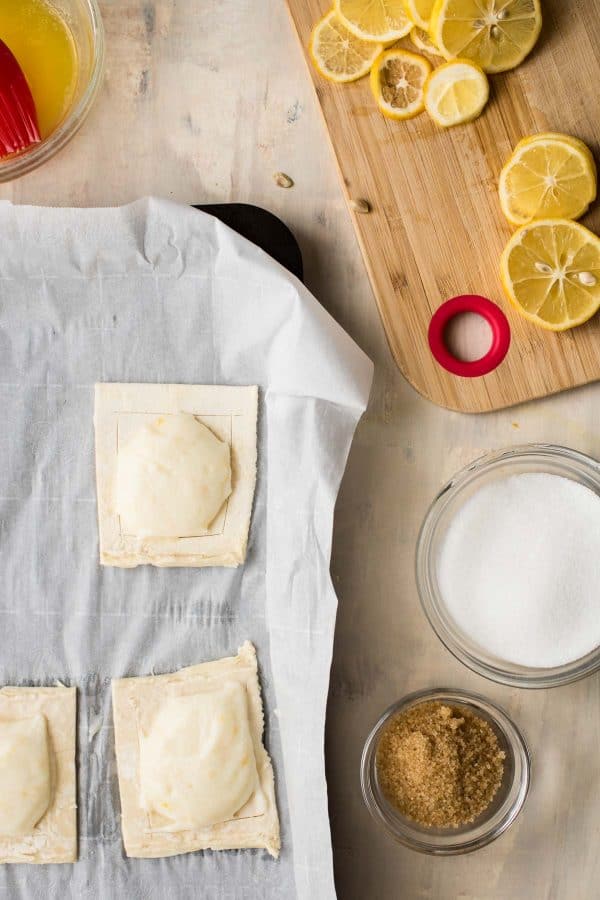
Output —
<point x="162" y="293"/>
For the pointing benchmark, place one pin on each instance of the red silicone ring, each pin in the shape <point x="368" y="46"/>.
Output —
<point x="500" y="335"/>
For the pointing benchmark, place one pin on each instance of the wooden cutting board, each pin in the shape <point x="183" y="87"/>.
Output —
<point x="436" y="229"/>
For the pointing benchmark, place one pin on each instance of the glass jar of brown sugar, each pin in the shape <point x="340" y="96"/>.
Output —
<point x="445" y="772"/>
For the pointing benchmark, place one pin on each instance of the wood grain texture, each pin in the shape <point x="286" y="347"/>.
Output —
<point x="436" y="229"/>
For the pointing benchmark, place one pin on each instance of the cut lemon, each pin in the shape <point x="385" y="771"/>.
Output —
<point x="374" y="20"/>
<point x="557" y="136"/>
<point x="547" y="176"/>
<point x="337" y="53"/>
<point x="495" y="34"/>
<point x="423" y="42"/>
<point x="397" y="81"/>
<point x="551" y="273"/>
<point x="420" y="11"/>
<point x="456" y="92"/>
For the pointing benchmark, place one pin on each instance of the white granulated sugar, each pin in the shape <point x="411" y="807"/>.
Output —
<point x="519" y="569"/>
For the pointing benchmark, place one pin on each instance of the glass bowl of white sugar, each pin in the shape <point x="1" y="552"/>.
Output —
<point x="508" y="565"/>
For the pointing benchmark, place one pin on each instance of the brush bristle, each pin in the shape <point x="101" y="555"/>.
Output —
<point x="18" y="116"/>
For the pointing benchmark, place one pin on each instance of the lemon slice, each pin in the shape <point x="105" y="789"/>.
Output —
<point x="557" y="136"/>
<point x="547" y="176"/>
<point x="456" y="92"/>
<point x="551" y="273"/>
<point x="374" y="20"/>
<point x="337" y="53"/>
<point x="397" y="81"/>
<point x="495" y="34"/>
<point x="420" y="11"/>
<point x="423" y="42"/>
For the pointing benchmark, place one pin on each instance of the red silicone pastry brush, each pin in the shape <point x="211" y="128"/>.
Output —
<point x="18" y="117"/>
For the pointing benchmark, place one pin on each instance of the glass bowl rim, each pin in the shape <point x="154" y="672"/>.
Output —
<point x="502" y="672"/>
<point x="31" y="159"/>
<point x="503" y="723"/>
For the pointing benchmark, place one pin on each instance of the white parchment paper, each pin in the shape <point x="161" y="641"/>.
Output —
<point x="162" y="293"/>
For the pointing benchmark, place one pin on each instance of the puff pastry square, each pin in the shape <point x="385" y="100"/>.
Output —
<point x="136" y="702"/>
<point x="231" y="414"/>
<point x="54" y="838"/>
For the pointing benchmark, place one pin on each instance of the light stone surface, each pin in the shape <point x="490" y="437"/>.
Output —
<point x="204" y="103"/>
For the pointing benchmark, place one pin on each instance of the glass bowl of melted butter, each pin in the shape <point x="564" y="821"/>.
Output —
<point x="59" y="45"/>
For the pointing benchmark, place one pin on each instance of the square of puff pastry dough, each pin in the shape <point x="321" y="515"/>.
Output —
<point x="54" y="838"/>
<point x="231" y="414"/>
<point x="135" y="703"/>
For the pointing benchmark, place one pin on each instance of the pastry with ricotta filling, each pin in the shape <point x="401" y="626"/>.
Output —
<point x="37" y="775"/>
<point x="175" y="470"/>
<point x="173" y="477"/>
<point x="193" y="771"/>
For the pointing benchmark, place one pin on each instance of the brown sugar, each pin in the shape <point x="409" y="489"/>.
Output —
<point x="439" y="765"/>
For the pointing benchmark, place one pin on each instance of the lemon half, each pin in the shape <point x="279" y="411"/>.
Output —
<point x="550" y="271"/>
<point x="495" y="34"/>
<point x="337" y="53"/>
